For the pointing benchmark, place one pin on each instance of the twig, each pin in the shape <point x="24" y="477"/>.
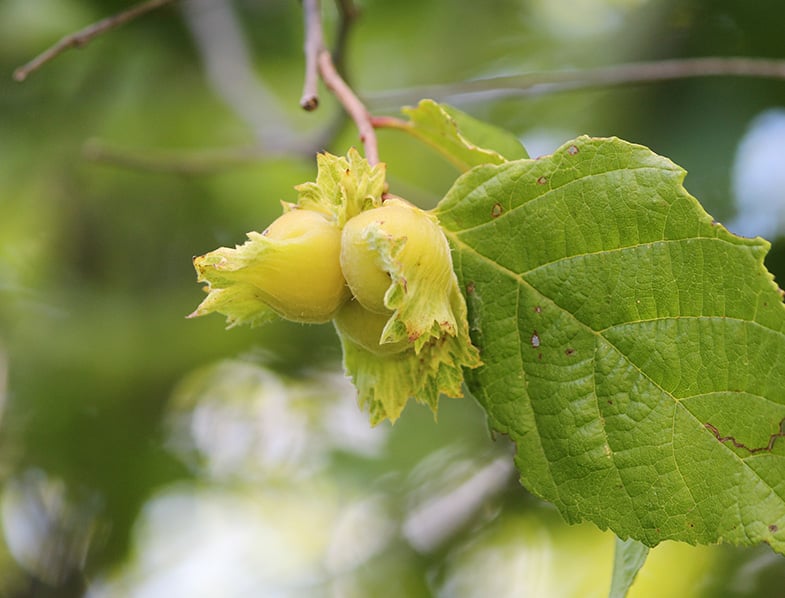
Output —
<point x="325" y="67"/>
<point x="530" y="84"/>
<point x="81" y="38"/>
<point x="348" y="12"/>
<point x="231" y="70"/>
<point x="314" y="44"/>
<point x="352" y="104"/>
<point x="200" y="162"/>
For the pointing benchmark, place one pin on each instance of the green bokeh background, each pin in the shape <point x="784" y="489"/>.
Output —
<point x="96" y="275"/>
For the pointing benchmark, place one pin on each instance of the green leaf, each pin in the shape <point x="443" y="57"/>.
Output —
<point x="487" y="136"/>
<point x="462" y="139"/>
<point x="634" y="349"/>
<point x="628" y="559"/>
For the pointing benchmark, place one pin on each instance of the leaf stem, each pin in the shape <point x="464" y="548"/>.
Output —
<point x="84" y="36"/>
<point x="390" y="122"/>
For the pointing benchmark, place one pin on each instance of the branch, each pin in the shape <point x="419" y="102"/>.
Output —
<point x="531" y="84"/>
<point x="320" y="62"/>
<point x="348" y="12"/>
<point x="81" y="38"/>
<point x="200" y="162"/>
<point x="229" y="69"/>
<point x="352" y="104"/>
<point x="314" y="44"/>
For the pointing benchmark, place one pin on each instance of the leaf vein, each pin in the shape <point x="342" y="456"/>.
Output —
<point x="547" y="193"/>
<point x="522" y="281"/>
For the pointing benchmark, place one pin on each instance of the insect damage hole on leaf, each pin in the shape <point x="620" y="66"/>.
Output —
<point x="535" y="340"/>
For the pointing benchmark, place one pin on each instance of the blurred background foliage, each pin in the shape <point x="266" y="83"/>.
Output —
<point x="144" y="454"/>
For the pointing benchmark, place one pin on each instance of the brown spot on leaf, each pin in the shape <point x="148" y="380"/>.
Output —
<point x="470" y="288"/>
<point x="572" y="150"/>
<point x="740" y="445"/>
<point x="542" y="180"/>
<point x="569" y="351"/>
<point x="496" y="210"/>
<point x="537" y="309"/>
<point x="773" y="528"/>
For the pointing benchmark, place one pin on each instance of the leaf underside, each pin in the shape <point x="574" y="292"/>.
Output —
<point x="629" y="558"/>
<point x="634" y="349"/>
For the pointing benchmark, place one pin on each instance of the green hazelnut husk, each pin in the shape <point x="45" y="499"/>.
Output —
<point x="365" y="328"/>
<point x="292" y="270"/>
<point x="368" y="268"/>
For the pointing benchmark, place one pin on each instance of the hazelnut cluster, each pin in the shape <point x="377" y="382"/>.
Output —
<point x="381" y="270"/>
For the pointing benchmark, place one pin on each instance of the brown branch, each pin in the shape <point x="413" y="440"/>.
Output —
<point x="348" y="12"/>
<point x="530" y="84"/>
<point x="317" y="54"/>
<point x="81" y="38"/>
<point x="352" y="104"/>
<point x="314" y="44"/>
<point x="230" y="71"/>
<point x="199" y="162"/>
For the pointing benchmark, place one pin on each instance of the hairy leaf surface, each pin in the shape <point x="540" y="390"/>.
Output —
<point x="634" y="349"/>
